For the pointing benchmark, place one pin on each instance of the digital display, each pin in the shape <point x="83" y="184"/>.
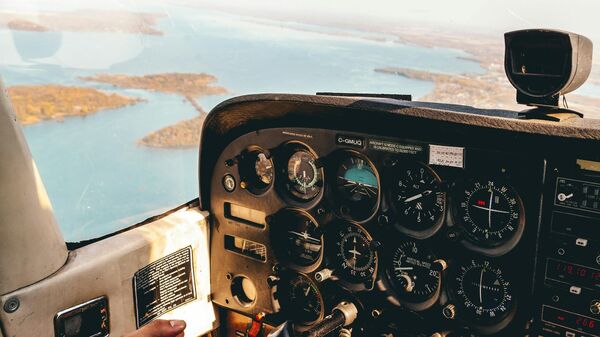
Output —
<point x="572" y="273"/>
<point x="571" y="320"/>
<point x="571" y="224"/>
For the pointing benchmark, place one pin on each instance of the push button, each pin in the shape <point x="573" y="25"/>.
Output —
<point x="575" y="290"/>
<point x="581" y="242"/>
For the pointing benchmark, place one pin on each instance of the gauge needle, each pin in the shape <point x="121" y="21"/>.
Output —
<point x="481" y="286"/>
<point x="418" y="196"/>
<point x="490" y="212"/>
<point x="490" y="209"/>
<point x="403" y="268"/>
<point x="307" y="291"/>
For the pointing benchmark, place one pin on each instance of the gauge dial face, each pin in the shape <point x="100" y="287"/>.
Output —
<point x="299" y="238"/>
<point x="484" y="292"/>
<point x="305" y="180"/>
<point x="491" y="213"/>
<point x="357" y="187"/>
<point x="263" y="168"/>
<point x="413" y="273"/>
<point x="305" y="301"/>
<point x="418" y="199"/>
<point x="256" y="171"/>
<point x="357" y="261"/>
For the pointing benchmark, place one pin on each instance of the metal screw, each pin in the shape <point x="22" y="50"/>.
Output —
<point x="11" y="305"/>
<point x="376" y="313"/>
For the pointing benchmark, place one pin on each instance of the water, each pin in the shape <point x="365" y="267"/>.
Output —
<point x="100" y="180"/>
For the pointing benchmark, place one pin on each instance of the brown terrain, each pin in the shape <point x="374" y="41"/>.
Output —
<point x="184" y="134"/>
<point x="190" y="86"/>
<point x="83" y="21"/>
<point x="35" y="103"/>
<point x="489" y="91"/>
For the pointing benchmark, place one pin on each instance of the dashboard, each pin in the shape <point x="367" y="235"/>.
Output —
<point x="427" y="228"/>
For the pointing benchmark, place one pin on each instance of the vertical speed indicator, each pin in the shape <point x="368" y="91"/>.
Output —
<point x="491" y="213"/>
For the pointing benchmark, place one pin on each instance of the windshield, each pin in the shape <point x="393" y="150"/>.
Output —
<point x="112" y="94"/>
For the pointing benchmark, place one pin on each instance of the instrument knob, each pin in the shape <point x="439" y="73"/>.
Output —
<point x="449" y="311"/>
<point x="595" y="307"/>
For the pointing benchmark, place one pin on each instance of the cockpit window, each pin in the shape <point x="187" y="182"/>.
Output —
<point x="112" y="95"/>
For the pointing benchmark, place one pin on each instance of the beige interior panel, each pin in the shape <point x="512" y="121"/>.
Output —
<point x="107" y="268"/>
<point x="31" y="244"/>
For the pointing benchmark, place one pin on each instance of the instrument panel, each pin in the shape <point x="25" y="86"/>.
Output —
<point x="428" y="235"/>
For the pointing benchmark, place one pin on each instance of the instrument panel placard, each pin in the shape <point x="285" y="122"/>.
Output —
<point x="164" y="285"/>
<point x="447" y="156"/>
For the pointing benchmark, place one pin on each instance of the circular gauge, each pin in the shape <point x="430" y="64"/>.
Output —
<point x="304" y="179"/>
<point x="263" y="168"/>
<point x="357" y="187"/>
<point x="483" y="292"/>
<point x="491" y="214"/>
<point x="357" y="261"/>
<point x="303" y="300"/>
<point x="256" y="171"/>
<point x="418" y="200"/>
<point x="297" y="237"/>
<point x="415" y="275"/>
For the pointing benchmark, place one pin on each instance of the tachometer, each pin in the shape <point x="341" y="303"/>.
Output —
<point x="483" y="293"/>
<point x="356" y="260"/>
<point x="418" y="200"/>
<point x="415" y="275"/>
<point x="296" y="237"/>
<point x="491" y="213"/>
<point x="304" y="179"/>
<point x="357" y="187"/>
<point x="302" y="300"/>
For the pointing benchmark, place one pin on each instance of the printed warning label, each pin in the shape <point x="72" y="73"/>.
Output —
<point x="164" y="285"/>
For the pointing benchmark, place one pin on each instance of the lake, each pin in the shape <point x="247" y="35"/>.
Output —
<point x="97" y="176"/>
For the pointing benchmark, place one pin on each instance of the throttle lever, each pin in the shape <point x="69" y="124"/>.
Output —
<point x="342" y="315"/>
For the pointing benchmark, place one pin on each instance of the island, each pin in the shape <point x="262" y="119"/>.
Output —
<point x="184" y="134"/>
<point x="83" y="21"/>
<point x="35" y="103"/>
<point x="185" y="84"/>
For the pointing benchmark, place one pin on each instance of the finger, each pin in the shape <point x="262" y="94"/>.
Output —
<point x="163" y="328"/>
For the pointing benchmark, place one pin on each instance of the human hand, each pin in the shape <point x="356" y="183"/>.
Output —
<point x="160" y="328"/>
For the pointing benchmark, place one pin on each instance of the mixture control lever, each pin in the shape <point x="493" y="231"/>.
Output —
<point x="342" y="315"/>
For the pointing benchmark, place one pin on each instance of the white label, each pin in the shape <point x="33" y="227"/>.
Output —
<point x="447" y="156"/>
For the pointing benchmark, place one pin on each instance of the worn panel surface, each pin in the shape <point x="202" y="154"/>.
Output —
<point x="107" y="268"/>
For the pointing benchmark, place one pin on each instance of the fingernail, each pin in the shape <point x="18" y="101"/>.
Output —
<point x="177" y="324"/>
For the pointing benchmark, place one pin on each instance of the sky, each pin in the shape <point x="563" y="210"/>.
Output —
<point x="579" y="16"/>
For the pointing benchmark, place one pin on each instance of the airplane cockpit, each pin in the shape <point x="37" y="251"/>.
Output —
<point x="347" y="214"/>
